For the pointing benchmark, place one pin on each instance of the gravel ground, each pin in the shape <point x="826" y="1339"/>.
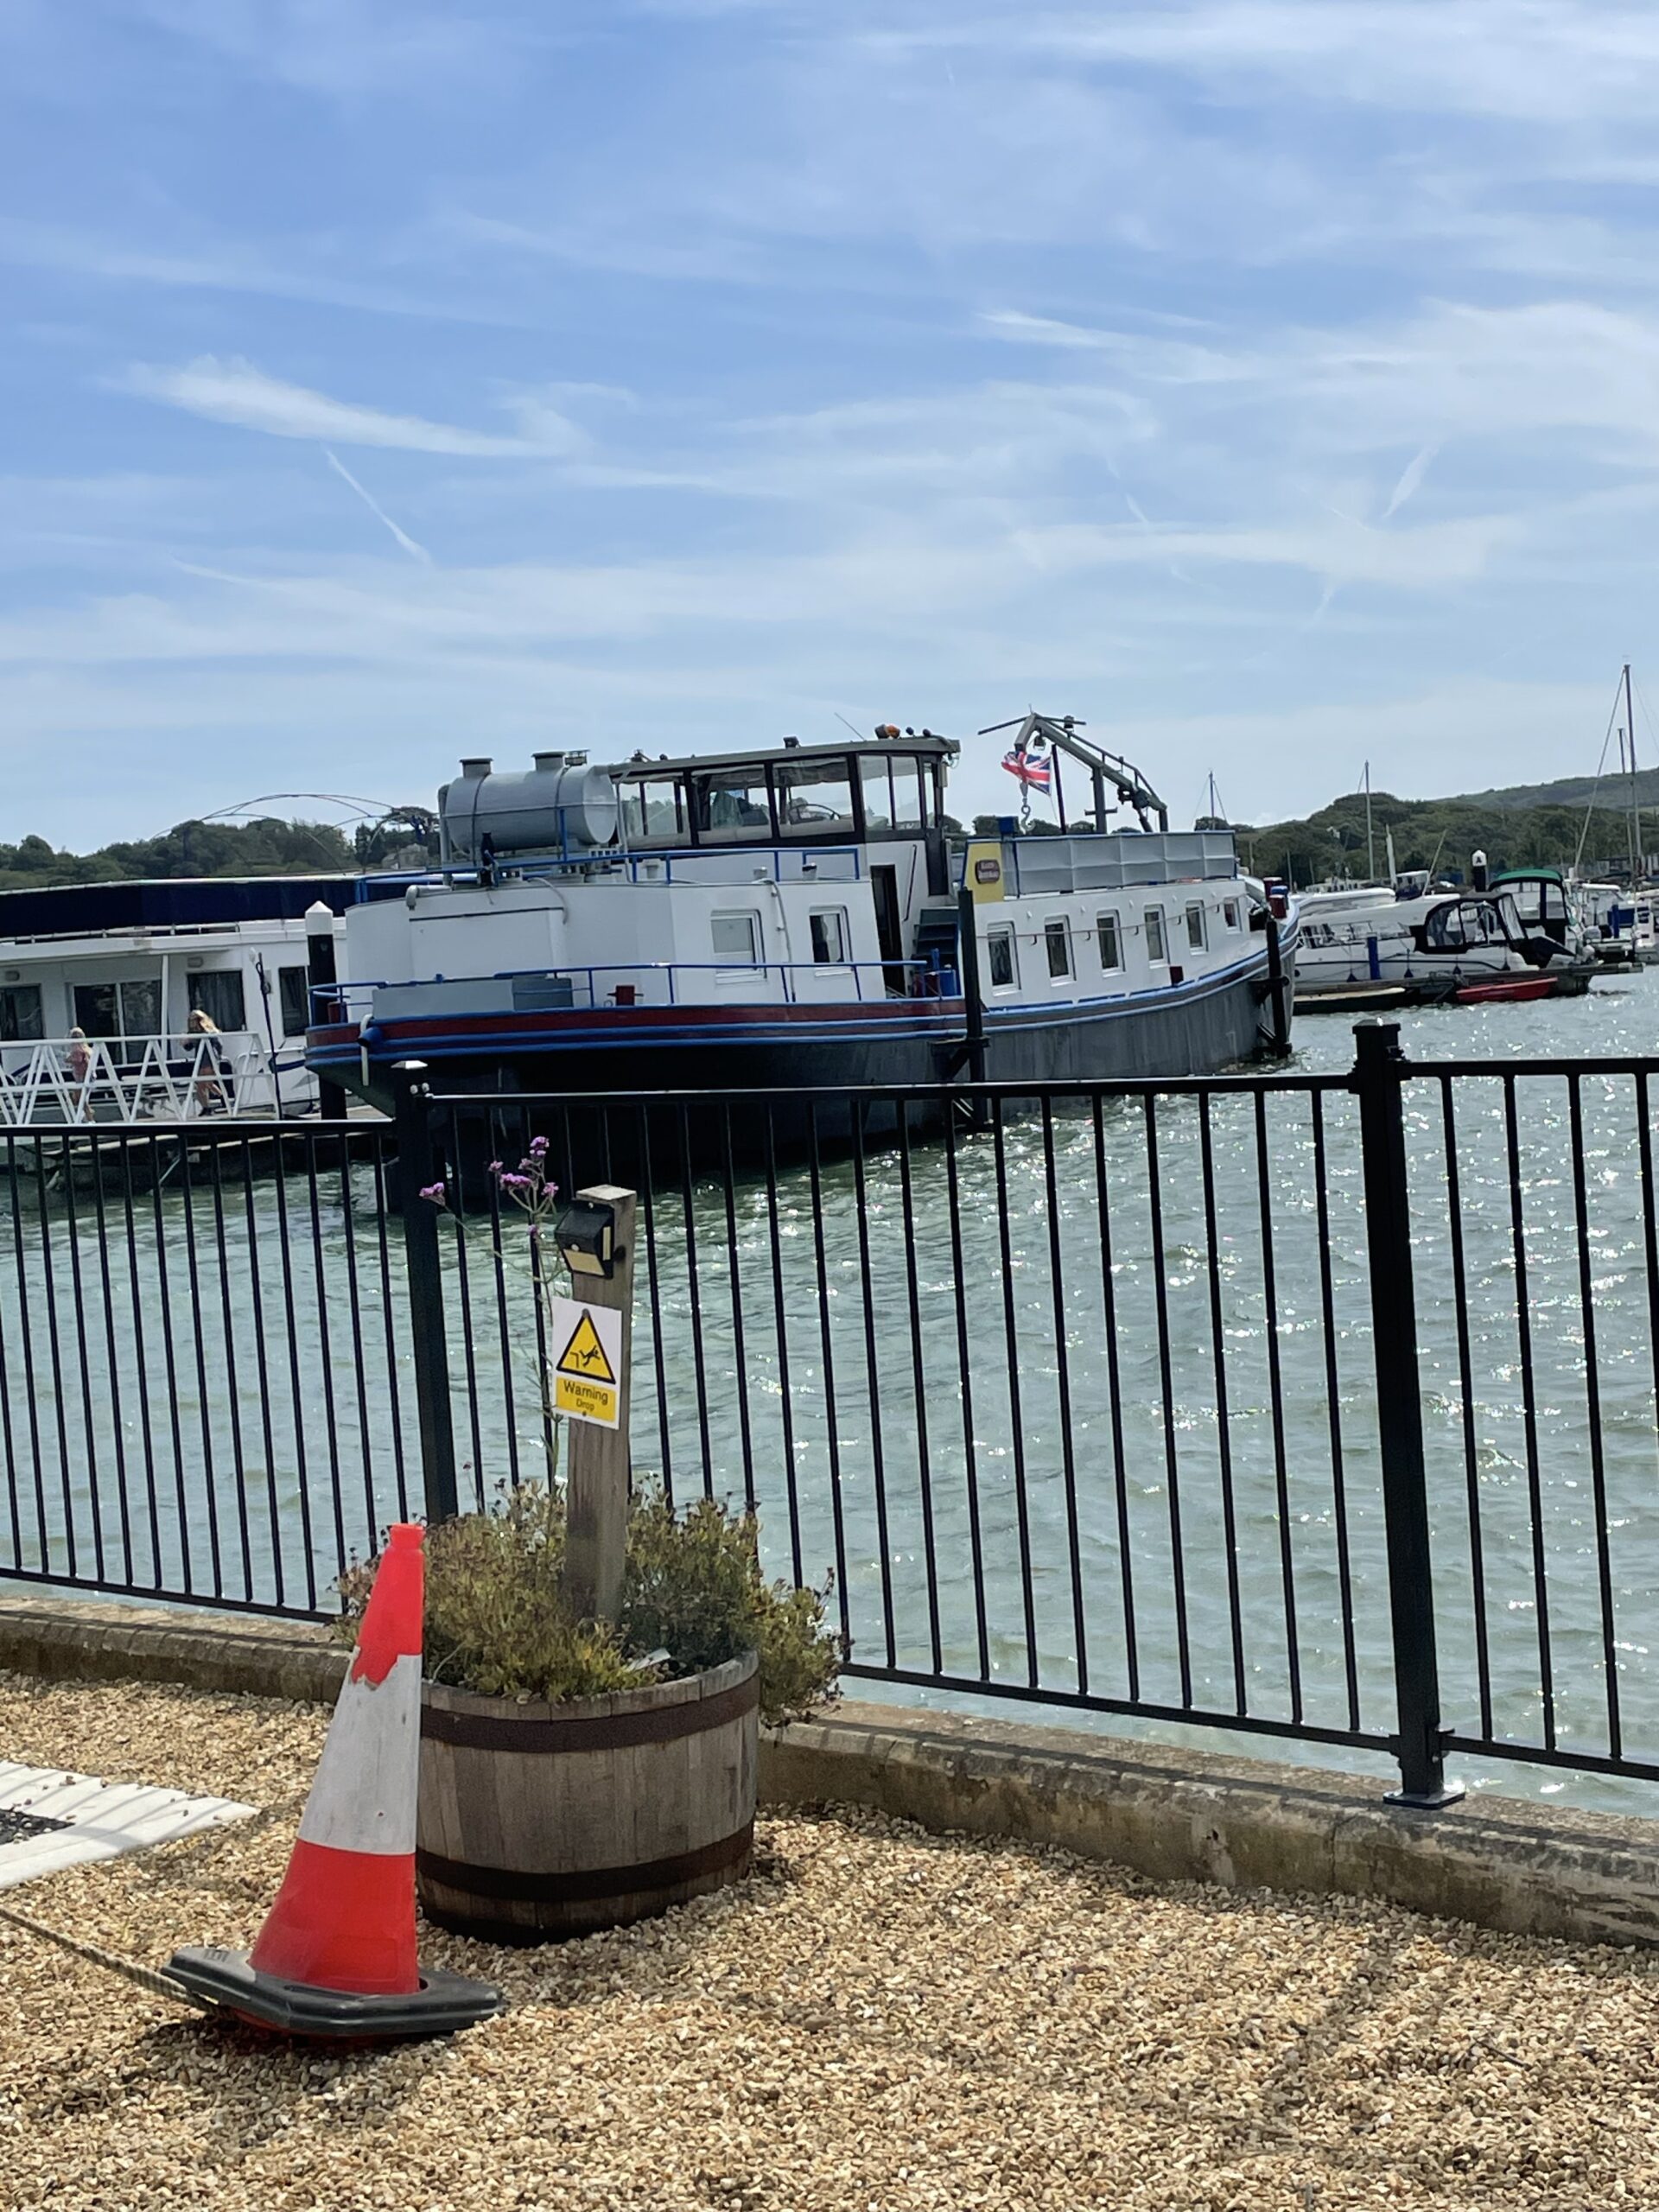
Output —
<point x="881" y="2020"/>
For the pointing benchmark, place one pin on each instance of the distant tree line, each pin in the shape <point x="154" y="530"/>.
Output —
<point x="1439" y="834"/>
<point x="270" y="846"/>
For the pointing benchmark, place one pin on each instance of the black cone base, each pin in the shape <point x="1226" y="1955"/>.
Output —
<point x="444" y="2002"/>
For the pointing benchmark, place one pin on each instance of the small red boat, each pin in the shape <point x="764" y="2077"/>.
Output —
<point x="1506" y="987"/>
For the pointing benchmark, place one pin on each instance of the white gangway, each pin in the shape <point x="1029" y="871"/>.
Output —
<point x="57" y="1082"/>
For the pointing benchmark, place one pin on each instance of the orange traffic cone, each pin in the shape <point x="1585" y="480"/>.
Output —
<point x="336" y="1956"/>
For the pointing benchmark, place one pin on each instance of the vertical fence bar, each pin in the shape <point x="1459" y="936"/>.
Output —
<point x="1379" y="1069"/>
<point x="417" y="1170"/>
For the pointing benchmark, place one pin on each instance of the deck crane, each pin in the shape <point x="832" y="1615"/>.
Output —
<point x="1037" y="734"/>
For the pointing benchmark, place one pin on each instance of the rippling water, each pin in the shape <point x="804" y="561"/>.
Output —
<point x="1149" y="1518"/>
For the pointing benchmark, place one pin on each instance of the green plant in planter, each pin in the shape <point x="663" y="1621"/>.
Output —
<point x="694" y="1596"/>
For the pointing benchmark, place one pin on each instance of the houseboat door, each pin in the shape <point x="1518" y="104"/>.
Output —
<point x="884" y="889"/>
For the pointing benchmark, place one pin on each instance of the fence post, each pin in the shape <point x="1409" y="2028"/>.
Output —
<point x="1379" y="1067"/>
<point x="417" y="1168"/>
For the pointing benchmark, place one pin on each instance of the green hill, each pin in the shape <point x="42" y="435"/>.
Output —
<point x="1522" y="825"/>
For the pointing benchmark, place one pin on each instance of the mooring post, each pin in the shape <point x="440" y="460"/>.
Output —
<point x="1278" y="992"/>
<point x="418" y="1170"/>
<point x="321" y="973"/>
<point x="1379" y="1069"/>
<point x="973" y="999"/>
<point x="596" y="1486"/>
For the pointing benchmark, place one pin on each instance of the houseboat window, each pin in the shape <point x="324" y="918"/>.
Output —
<point x="1230" y="910"/>
<point x="1057" y="937"/>
<point x="1155" y="953"/>
<point x="95" y="1009"/>
<point x="815" y="794"/>
<point x="737" y="940"/>
<point x="732" y="803"/>
<point x="1111" y="951"/>
<point x="1195" y="933"/>
<point x="140" y="1008"/>
<point x="294" y="993"/>
<point x="20" y="1014"/>
<point x="998" y="944"/>
<point x="217" y="992"/>
<point x="829" y="937"/>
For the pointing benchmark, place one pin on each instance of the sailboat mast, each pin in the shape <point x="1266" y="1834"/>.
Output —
<point x="1370" y="840"/>
<point x="1636" y="810"/>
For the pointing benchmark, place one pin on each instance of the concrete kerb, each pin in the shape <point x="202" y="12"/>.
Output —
<point x="1173" y="1815"/>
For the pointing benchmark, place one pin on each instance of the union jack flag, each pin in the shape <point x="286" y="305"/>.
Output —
<point x="1032" y="773"/>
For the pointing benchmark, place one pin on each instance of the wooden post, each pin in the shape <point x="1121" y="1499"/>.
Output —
<point x="596" y="1488"/>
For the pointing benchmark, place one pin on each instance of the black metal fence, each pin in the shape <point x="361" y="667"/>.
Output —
<point x="1300" y="1405"/>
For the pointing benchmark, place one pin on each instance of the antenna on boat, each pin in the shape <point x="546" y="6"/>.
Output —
<point x="1371" y="838"/>
<point x="853" y="726"/>
<point x="1636" y="807"/>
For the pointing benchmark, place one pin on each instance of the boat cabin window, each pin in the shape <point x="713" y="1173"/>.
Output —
<point x="1195" y="929"/>
<point x="815" y="794"/>
<point x="1111" y="949"/>
<point x="294" y="993"/>
<point x="95" y="1009"/>
<point x="893" y="794"/>
<point x="652" y="809"/>
<point x="1057" y="937"/>
<point x="20" y="1014"/>
<point x="731" y="803"/>
<point x="1230" y="911"/>
<point x="999" y="945"/>
<point x="217" y="993"/>
<point x="120" y="1010"/>
<point x="737" y="940"/>
<point x="140" y="1008"/>
<point x="1154" y="921"/>
<point x="829" y="937"/>
<point x="1453" y="928"/>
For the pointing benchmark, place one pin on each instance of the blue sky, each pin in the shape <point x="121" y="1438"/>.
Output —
<point x="1273" y="382"/>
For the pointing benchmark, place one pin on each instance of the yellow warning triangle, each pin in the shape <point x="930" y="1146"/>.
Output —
<point x="584" y="1355"/>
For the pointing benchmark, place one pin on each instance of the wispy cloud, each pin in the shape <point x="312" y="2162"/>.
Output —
<point x="236" y="392"/>
<point x="1410" y="479"/>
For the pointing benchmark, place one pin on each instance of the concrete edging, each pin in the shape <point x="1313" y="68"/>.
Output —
<point x="1172" y="1814"/>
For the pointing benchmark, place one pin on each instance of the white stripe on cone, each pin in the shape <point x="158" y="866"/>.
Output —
<point x="368" y="1779"/>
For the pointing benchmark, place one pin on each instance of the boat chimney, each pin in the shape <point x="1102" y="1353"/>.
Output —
<point x="549" y="764"/>
<point x="478" y="764"/>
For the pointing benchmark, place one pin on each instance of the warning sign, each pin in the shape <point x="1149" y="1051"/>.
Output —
<point x="587" y="1361"/>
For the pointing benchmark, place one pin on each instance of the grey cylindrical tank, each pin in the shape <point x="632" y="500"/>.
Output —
<point x="550" y="807"/>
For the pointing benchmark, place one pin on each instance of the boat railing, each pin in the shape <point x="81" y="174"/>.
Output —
<point x="629" y="983"/>
<point x="65" y="1081"/>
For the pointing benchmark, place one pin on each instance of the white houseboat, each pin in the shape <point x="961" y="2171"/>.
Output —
<point x="107" y="992"/>
<point x="799" y="916"/>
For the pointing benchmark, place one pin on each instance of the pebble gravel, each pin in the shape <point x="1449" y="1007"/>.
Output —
<point x="879" y="2020"/>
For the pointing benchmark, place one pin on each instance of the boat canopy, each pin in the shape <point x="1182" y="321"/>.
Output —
<point x="892" y="787"/>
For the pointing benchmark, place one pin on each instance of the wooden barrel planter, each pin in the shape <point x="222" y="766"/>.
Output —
<point x="539" y="1821"/>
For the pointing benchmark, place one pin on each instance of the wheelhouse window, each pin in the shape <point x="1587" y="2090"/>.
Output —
<point x="815" y="794"/>
<point x="1230" y="912"/>
<point x="652" y="811"/>
<point x="999" y="947"/>
<point x="829" y="937"/>
<point x="1196" y="937"/>
<point x="893" y="794"/>
<point x="1111" y="945"/>
<point x="1155" y="922"/>
<point x="731" y="803"/>
<point x="218" y="994"/>
<point x="294" y="995"/>
<point x="20" y="1014"/>
<point x="1056" y="941"/>
<point x="737" y="940"/>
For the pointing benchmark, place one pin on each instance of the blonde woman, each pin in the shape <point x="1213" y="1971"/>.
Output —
<point x="200" y="1027"/>
<point x="79" y="1061"/>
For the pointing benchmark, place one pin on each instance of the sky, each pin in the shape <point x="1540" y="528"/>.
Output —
<point x="1272" y="383"/>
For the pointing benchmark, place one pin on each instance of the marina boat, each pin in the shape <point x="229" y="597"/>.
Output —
<point x="159" y="1001"/>
<point x="802" y="916"/>
<point x="1430" y="944"/>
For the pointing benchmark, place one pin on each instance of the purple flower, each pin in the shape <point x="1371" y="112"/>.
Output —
<point x="494" y="1167"/>
<point x="515" y="1182"/>
<point x="539" y="1146"/>
<point x="435" y="1191"/>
